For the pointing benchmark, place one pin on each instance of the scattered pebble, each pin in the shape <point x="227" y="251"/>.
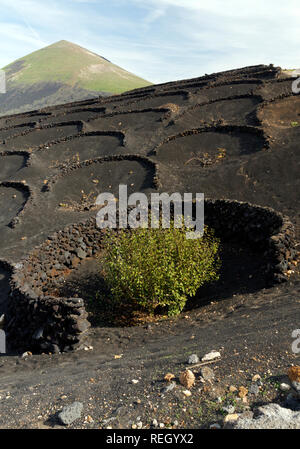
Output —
<point x="154" y="423"/>
<point x="242" y="392"/>
<point x="231" y="417"/>
<point x="230" y="409"/>
<point x="88" y="419"/>
<point x="284" y="387"/>
<point x="211" y="356"/>
<point x="256" y="377"/>
<point x="169" y="387"/>
<point x="187" y="393"/>
<point x="168" y="377"/>
<point x="192" y="359"/>
<point x="254" y="389"/>
<point x="294" y="373"/>
<point x="207" y="373"/>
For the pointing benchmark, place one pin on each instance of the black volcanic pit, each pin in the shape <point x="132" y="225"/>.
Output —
<point x="13" y="197"/>
<point x="214" y="144"/>
<point x="42" y="320"/>
<point x="11" y="164"/>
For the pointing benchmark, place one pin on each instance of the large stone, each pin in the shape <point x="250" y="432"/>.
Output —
<point x="271" y="416"/>
<point x="70" y="413"/>
<point x="187" y="378"/>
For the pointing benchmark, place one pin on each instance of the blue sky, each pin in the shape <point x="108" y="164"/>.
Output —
<point x="160" y="40"/>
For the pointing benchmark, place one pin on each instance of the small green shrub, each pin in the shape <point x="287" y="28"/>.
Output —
<point x="153" y="268"/>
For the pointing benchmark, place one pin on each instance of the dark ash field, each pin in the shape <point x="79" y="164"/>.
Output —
<point x="232" y="135"/>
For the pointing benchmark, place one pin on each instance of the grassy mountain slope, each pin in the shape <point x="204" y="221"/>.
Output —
<point x="60" y="73"/>
<point x="68" y="63"/>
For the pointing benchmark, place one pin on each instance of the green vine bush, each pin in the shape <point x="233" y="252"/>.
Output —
<point x="152" y="268"/>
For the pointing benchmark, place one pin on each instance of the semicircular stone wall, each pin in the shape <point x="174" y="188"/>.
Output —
<point x="40" y="322"/>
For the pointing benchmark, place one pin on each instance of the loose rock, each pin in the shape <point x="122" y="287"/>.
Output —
<point x="254" y="389"/>
<point x="230" y="409"/>
<point x="271" y="416"/>
<point x="187" y="393"/>
<point x="294" y="373"/>
<point x="207" y="373"/>
<point x="168" y="388"/>
<point x="169" y="376"/>
<point x="284" y="387"/>
<point x="70" y="413"/>
<point x="256" y="377"/>
<point x="296" y="386"/>
<point x="242" y="392"/>
<point x="192" y="359"/>
<point x="211" y="356"/>
<point x="187" y="378"/>
<point x="231" y="417"/>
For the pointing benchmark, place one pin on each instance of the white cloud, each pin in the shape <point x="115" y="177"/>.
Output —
<point x="12" y="38"/>
<point x="154" y="14"/>
<point x="159" y="40"/>
<point x="232" y="8"/>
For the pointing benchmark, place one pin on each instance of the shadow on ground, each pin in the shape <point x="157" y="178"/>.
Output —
<point x="242" y="271"/>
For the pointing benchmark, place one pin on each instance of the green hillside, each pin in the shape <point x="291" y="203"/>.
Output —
<point x="68" y="63"/>
<point x="61" y="73"/>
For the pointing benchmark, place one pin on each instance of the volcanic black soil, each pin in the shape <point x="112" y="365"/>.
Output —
<point x="232" y="135"/>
